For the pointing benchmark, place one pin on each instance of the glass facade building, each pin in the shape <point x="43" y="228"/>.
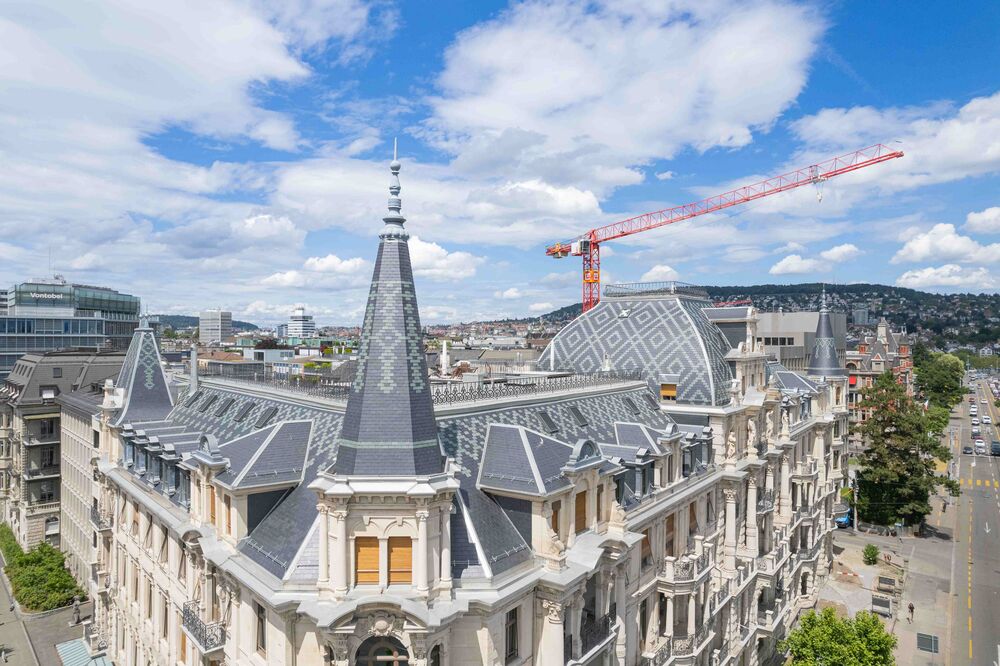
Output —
<point x="49" y="314"/>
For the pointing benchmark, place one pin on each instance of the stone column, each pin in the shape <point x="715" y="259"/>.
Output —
<point x="691" y="614"/>
<point x="341" y="579"/>
<point x="324" y="545"/>
<point x="670" y="616"/>
<point x="421" y="578"/>
<point x="446" y="547"/>
<point x="621" y="645"/>
<point x="729" y="559"/>
<point x="752" y="546"/>
<point x="785" y="502"/>
<point x="550" y="639"/>
<point x="576" y="623"/>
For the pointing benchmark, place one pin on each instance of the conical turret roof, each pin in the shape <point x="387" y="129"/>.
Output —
<point x="389" y="427"/>
<point x="142" y="380"/>
<point x="823" y="361"/>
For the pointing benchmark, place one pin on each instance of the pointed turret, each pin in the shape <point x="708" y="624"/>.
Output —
<point x="389" y="427"/>
<point x="142" y="381"/>
<point x="823" y="361"/>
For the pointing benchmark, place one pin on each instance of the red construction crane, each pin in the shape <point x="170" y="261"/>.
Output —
<point x="588" y="245"/>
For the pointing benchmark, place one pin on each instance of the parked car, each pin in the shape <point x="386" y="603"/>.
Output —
<point x="987" y="420"/>
<point x="967" y="450"/>
<point x="995" y="448"/>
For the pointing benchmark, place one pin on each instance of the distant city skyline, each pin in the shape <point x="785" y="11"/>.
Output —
<point x="248" y="173"/>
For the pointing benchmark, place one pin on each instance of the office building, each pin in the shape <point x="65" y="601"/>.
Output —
<point x="301" y="325"/>
<point x="46" y="314"/>
<point x="663" y="497"/>
<point x="215" y="327"/>
<point x="30" y="437"/>
<point x="789" y="337"/>
<point x="859" y="315"/>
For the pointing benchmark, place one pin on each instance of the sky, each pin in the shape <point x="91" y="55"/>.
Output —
<point x="235" y="154"/>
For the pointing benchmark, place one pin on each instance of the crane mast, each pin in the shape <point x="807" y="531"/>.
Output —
<point x="588" y="245"/>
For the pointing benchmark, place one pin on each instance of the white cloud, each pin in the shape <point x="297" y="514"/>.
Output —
<point x="432" y="261"/>
<point x="660" y="273"/>
<point x="790" y="246"/>
<point x="268" y="227"/>
<point x="331" y="263"/>
<point x="562" y="90"/>
<point x="541" y="307"/>
<point x="841" y="253"/>
<point x="948" y="275"/>
<point x="665" y="175"/>
<point x="795" y="264"/>
<point x="508" y="294"/>
<point x="985" y="221"/>
<point x="943" y="243"/>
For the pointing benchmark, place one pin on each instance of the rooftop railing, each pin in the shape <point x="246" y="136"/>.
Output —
<point x="526" y="386"/>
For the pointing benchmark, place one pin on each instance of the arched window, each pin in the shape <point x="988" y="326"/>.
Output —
<point x="381" y="651"/>
<point x="435" y="656"/>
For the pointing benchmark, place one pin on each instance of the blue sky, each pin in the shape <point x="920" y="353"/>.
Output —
<point x="235" y="154"/>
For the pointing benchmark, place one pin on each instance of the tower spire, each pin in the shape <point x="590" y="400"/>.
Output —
<point x="823" y="361"/>
<point x="389" y="427"/>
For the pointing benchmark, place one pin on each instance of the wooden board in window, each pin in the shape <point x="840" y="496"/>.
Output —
<point x="400" y="560"/>
<point x="366" y="560"/>
<point x="581" y="512"/>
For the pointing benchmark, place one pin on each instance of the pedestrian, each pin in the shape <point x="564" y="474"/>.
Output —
<point x="910" y="608"/>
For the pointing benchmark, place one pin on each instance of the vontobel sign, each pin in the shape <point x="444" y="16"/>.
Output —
<point x="52" y="296"/>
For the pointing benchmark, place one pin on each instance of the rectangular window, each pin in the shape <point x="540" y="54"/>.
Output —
<point x="668" y="392"/>
<point x="400" y="560"/>
<point x="149" y="600"/>
<point x="165" y="615"/>
<point x="261" y="614"/>
<point x="229" y="513"/>
<point x="600" y="503"/>
<point x="581" y="512"/>
<point x="643" y="621"/>
<point x="56" y="373"/>
<point x="647" y="549"/>
<point x="669" y="547"/>
<point x="510" y="636"/>
<point x="366" y="560"/>
<point x="555" y="517"/>
<point x="183" y="647"/>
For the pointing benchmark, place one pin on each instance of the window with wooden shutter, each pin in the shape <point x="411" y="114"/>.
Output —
<point x="581" y="512"/>
<point x="400" y="560"/>
<point x="670" y="537"/>
<point x="600" y="503"/>
<point x="555" y="516"/>
<point x="647" y="550"/>
<point x="211" y="504"/>
<point x="366" y="560"/>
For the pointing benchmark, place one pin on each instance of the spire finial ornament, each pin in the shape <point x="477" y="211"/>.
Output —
<point x="394" y="220"/>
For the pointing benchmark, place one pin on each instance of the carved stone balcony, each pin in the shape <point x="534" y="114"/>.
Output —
<point x="806" y="470"/>
<point x="690" y="645"/>
<point x="210" y="637"/>
<point x="685" y="572"/>
<point x="660" y="657"/>
<point x="101" y="522"/>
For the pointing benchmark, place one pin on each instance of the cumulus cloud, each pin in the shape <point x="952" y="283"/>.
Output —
<point x="948" y="275"/>
<point x="508" y="294"/>
<point x="985" y="221"/>
<point x="840" y="253"/>
<point x="790" y="246"/>
<point x="795" y="264"/>
<point x="541" y="307"/>
<point x="660" y="273"/>
<point x="331" y="263"/>
<point x="432" y="261"/>
<point x="943" y="243"/>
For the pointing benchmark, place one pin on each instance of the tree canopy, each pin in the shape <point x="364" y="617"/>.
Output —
<point x="825" y="638"/>
<point x="939" y="378"/>
<point x="898" y="469"/>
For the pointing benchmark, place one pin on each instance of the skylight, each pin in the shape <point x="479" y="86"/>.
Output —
<point x="547" y="423"/>
<point x="266" y="417"/>
<point x="207" y="403"/>
<point x="632" y="406"/>
<point x="224" y="407"/>
<point x="578" y="416"/>
<point x="244" y="411"/>
<point x="193" y="399"/>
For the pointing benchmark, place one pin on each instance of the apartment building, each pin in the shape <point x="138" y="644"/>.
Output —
<point x="215" y="327"/>
<point x="30" y="436"/>
<point x="572" y="516"/>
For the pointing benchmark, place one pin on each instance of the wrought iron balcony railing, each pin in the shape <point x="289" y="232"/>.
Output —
<point x="209" y="635"/>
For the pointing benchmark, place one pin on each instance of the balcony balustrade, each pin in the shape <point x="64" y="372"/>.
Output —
<point x="99" y="520"/>
<point x="805" y="470"/>
<point x="209" y="636"/>
<point x="660" y="657"/>
<point x="594" y="632"/>
<point x="765" y="502"/>
<point x="32" y="473"/>
<point x="688" y="645"/>
<point x="685" y="569"/>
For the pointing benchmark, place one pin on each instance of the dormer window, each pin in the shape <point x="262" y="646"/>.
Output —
<point x="668" y="392"/>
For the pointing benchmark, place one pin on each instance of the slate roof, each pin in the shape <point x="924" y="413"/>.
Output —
<point x="464" y="438"/>
<point x="788" y="380"/>
<point x="823" y="361"/>
<point x="656" y="335"/>
<point x="389" y="426"/>
<point x="147" y="395"/>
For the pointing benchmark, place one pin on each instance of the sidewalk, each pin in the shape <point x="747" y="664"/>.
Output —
<point x="926" y="573"/>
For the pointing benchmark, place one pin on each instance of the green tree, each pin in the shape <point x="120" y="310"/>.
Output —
<point x="937" y="418"/>
<point x="824" y="638"/>
<point x="939" y="379"/>
<point x="870" y="554"/>
<point x="898" y="469"/>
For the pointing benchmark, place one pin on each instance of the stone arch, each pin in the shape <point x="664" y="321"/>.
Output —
<point x="381" y="651"/>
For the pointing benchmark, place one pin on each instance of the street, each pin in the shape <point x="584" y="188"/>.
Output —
<point x="976" y="557"/>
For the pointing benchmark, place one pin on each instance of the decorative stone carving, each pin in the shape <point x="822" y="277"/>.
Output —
<point x="784" y="423"/>
<point x="768" y="425"/>
<point x="557" y="544"/>
<point x="553" y="610"/>
<point x="751" y="432"/>
<point x="340" y="648"/>
<point x="729" y="494"/>
<point x="381" y="623"/>
<point x="731" y="444"/>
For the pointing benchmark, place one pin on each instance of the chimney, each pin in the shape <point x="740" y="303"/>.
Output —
<point x="194" y="369"/>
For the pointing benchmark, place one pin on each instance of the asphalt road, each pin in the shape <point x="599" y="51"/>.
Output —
<point x="976" y="565"/>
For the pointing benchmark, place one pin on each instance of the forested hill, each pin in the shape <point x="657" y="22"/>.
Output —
<point x="957" y="318"/>
<point x="177" y="322"/>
